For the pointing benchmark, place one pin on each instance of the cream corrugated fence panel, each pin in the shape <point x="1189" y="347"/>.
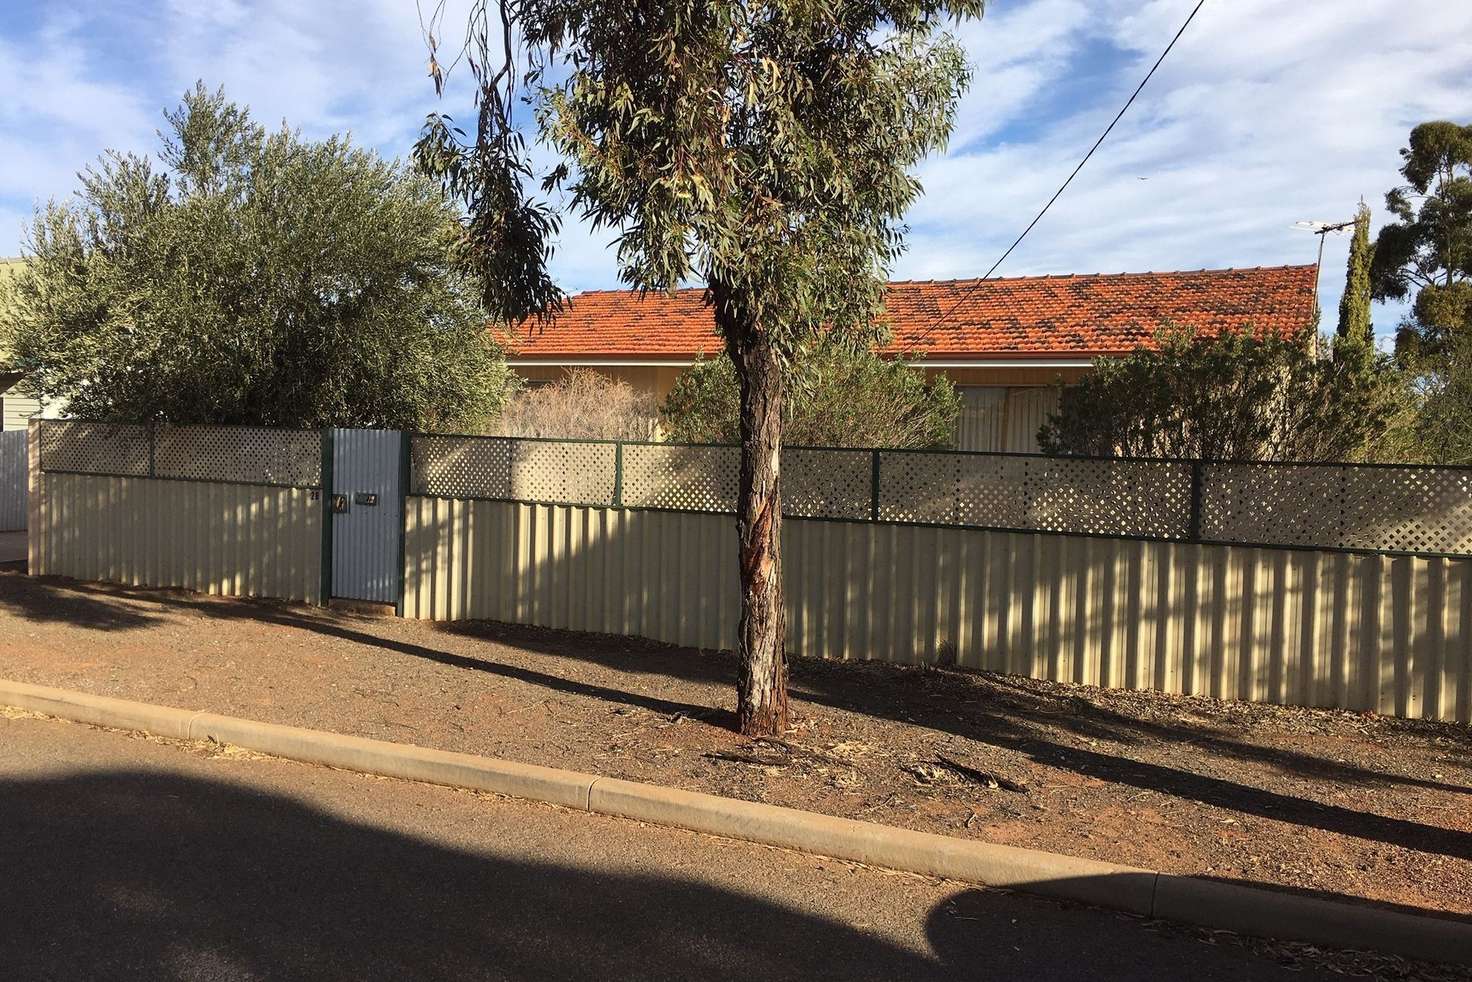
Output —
<point x="229" y="539"/>
<point x="669" y="576"/>
<point x="1297" y="627"/>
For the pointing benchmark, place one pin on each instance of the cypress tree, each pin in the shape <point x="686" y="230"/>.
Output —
<point x="1354" y="305"/>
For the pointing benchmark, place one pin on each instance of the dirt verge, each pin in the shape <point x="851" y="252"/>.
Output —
<point x="1332" y="803"/>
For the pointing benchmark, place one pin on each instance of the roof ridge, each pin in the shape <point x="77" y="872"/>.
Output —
<point x="1126" y="274"/>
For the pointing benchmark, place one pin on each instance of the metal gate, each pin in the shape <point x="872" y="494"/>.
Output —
<point x="366" y="506"/>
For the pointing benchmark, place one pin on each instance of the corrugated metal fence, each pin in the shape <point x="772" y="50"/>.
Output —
<point x="1300" y="627"/>
<point x="1096" y="571"/>
<point x="223" y="510"/>
<point x="14" y="483"/>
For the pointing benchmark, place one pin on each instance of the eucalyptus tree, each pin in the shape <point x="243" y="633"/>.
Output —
<point x="1425" y="253"/>
<point x="764" y="149"/>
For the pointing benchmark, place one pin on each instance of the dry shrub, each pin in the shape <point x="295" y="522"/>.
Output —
<point x="582" y="405"/>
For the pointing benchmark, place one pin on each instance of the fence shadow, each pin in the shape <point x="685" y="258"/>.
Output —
<point x="142" y="874"/>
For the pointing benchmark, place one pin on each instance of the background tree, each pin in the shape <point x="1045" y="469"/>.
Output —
<point x="1427" y="250"/>
<point x="762" y="148"/>
<point x="842" y="398"/>
<point x="255" y="278"/>
<point x="1233" y="396"/>
<point x="1354" y="303"/>
<point x="1443" y="425"/>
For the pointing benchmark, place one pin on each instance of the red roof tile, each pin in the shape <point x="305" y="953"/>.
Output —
<point x="1023" y="317"/>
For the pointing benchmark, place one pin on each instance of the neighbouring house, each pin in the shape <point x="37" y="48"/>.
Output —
<point x="17" y="406"/>
<point x="1006" y="343"/>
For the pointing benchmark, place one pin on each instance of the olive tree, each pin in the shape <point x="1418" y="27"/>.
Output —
<point x="762" y="149"/>
<point x="253" y="277"/>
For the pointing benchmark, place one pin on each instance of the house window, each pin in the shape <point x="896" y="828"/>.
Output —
<point x="983" y="416"/>
<point x="1006" y="418"/>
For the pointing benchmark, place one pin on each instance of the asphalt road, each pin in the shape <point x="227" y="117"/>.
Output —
<point x="127" y="858"/>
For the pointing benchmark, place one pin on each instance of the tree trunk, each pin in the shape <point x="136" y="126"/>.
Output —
<point x="761" y="703"/>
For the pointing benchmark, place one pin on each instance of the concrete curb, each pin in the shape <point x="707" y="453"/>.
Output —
<point x="1246" y="910"/>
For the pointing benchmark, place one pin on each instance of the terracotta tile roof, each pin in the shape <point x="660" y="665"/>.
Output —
<point x="1074" y="316"/>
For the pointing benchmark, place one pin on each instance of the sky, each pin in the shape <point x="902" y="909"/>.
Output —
<point x="1266" y="113"/>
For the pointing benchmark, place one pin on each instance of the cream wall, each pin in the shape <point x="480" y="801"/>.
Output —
<point x="1002" y="407"/>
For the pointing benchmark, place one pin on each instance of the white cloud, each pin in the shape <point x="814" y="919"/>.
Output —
<point x="1265" y="113"/>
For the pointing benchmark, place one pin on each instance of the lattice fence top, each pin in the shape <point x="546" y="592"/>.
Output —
<point x="460" y="467"/>
<point x="95" y="448"/>
<point x="239" y="454"/>
<point x="1327" y="506"/>
<point x="685" y="478"/>
<point x="1382" y="509"/>
<point x="1418" y="510"/>
<point x="235" y="454"/>
<point x="572" y="473"/>
<point x="1148" y="499"/>
<point x="565" y="472"/>
<point x="827" y="483"/>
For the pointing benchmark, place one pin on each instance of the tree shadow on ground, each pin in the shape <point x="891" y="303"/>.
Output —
<point x="989" y="709"/>
<point x="140" y="874"/>
<point x="54" y="600"/>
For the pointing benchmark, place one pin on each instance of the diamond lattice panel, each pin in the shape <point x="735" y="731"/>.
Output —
<point x="1108" y="497"/>
<point x="239" y="454"/>
<point x="919" y="487"/>
<point x="460" y="466"/>
<point x="992" y="491"/>
<point x="687" y="478"/>
<point x="1408" y="509"/>
<point x="94" y="448"/>
<point x="827" y="483"/>
<point x="1284" y="504"/>
<point x="563" y="472"/>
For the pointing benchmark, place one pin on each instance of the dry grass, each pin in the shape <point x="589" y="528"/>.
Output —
<point x="582" y="405"/>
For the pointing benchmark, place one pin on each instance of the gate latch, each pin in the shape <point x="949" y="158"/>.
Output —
<point x="339" y="503"/>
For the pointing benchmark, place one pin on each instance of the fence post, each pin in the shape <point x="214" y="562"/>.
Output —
<point x="1196" y="495"/>
<point x="404" y="477"/>
<point x="326" y="515"/>
<point x="874" y="486"/>
<point x="618" y="473"/>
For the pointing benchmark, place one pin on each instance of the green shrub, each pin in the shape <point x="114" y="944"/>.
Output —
<point x="1236" y="396"/>
<point x="840" y="398"/>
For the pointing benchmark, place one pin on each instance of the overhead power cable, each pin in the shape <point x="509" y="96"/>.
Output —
<point x="1062" y="187"/>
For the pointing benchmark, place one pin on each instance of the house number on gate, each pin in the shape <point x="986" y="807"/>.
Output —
<point x="367" y="498"/>
<point x="339" y="503"/>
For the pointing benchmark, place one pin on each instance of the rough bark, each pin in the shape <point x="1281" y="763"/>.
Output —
<point x="762" y="686"/>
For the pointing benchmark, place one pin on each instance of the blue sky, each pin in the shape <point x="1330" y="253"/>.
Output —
<point x="1266" y="113"/>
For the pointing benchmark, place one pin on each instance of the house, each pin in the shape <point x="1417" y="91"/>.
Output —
<point x="16" y="405"/>
<point x="1006" y="343"/>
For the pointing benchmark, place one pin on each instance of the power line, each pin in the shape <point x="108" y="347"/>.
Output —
<point x="1061" y="188"/>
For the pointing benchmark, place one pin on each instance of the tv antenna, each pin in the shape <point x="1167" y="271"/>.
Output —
<point x="1323" y="230"/>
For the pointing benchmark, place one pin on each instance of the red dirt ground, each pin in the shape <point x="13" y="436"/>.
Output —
<point x="1326" y="802"/>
